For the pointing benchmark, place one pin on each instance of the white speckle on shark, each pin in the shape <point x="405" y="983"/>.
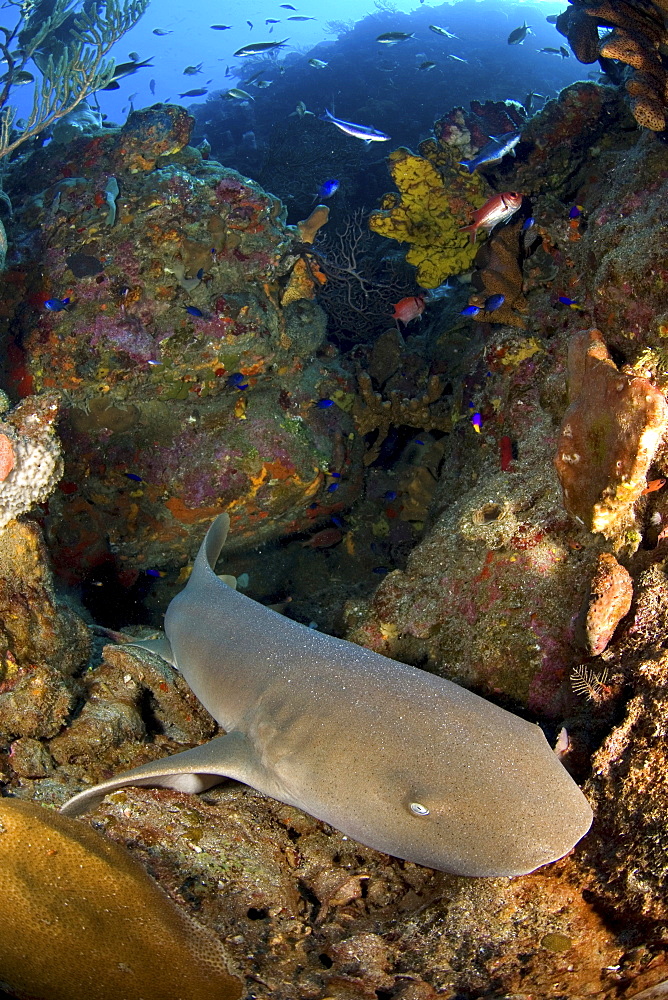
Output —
<point x="320" y="723"/>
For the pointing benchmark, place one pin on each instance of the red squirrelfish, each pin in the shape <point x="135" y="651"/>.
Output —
<point x="497" y="209"/>
<point x="409" y="308"/>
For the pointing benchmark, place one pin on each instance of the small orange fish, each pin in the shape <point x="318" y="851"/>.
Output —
<point x="409" y="308"/>
<point x="655" y="484"/>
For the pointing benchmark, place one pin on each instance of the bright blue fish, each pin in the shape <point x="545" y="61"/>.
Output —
<point x="470" y="311"/>
<point x="328" y="189"/>
<point x="133" y="476"/>
<point x="494" y="302"/>
<point x="324" y="404"/>
<point x="528" y="223"/>
<point x="56" y="305"/>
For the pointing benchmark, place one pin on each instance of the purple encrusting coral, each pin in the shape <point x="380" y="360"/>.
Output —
<point x="202" y="474"/>
<point x="125" y="334"/>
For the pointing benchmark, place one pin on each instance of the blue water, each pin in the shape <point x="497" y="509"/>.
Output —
<point x="493" y="69"/>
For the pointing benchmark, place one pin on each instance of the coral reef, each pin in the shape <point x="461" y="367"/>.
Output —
<point x="151" y="133"/>
<point x="64" y="884"/>
<point x="429" y="212"/>
<point x="557" y="143"/>
<point x="32" y="462"/>
<point x="637" y="37"/>
<point x="608" y="437"/>
<point x="504" y="592"/>
<point x="182" y="377"/>
<point x="375" y="414"/>
<point x="629" y="784"/>
<point x="466" y="132"/>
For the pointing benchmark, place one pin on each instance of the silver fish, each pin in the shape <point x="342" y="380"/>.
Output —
<point x="237" y="94"/>
<point x="392" y="37"/>
<point x="493" y="151"/>
<point x="357" y="131"/>
<point x="258" y="48"/>
<point x="442" y="31"/>
<point x="394" y="757"/>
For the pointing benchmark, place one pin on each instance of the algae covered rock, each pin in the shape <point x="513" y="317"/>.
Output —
<point x="608" y="438"/>
<point x="81" y="920"/>
<point x="42" y="641"/>
<point x="186" y="385"/>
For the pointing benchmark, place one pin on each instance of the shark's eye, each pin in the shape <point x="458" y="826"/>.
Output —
<point x="418" y="809"/>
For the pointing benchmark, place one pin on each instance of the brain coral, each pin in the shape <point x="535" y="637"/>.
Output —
<point x="81" y="920"/>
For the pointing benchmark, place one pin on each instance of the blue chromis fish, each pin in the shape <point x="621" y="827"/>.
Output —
<point x="493" y="302"/>
<point x="324" y="404"/>
<point x="56" y="305"/>
<point x="194" y="311"/>
<point x="328" y="188"/>
<point x="493" y="151"/>
<point x="470" y="311"/>
<point x="356" y="131"/>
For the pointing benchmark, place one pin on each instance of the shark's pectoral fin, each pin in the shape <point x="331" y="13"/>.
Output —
<point x="229" y="756"/>
<point x="161" y="646"/>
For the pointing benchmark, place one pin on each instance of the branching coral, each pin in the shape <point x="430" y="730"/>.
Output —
<point x="373" y="413"/>
<point x="608" y="437"/>
<point x="362" y="284"/>
<point x="69" y="49"/>
<point x="433" y="204"/>
<point x="638" y="39"/>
